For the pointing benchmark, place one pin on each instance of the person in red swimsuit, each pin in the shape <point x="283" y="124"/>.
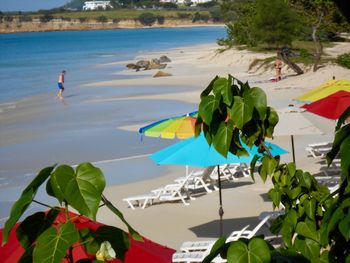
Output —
<point x="278" y="68"/>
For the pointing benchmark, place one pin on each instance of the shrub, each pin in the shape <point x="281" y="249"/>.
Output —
<point x="8" y="18"/>
<point x="216" y="14"/>
<point x="184" y="15"/>
<point x="45" y="18"/>
<point x="200" y="17"/>
<point x="147" y="19"/>
<point x="83" y="19"/>
<point x="102" y="19"/>
<point x="207" y="4"/>
<point x="161" y="20"/>
<point x="344" y="60"/>
<point x="116" y="21"/>
<point x="169" y="5"/>
<point x="66" y="19"/>
<point x="25" y="18"/>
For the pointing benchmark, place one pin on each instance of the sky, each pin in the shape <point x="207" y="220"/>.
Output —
<point x="29" y="5"/>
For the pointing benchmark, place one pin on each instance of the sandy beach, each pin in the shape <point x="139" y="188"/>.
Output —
<point x="192" y="69"/>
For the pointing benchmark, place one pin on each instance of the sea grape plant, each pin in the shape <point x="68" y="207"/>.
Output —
<point x="315" y="226"/>
<point x="45" y="240"/>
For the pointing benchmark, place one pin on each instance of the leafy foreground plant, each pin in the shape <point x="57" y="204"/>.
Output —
<point x="316" y="224"/>
<point x="46" y="241"/>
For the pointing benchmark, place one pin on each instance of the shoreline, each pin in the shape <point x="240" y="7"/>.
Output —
<point x="58" y="26"/>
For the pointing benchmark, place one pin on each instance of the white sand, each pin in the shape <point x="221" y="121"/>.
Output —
<point x="193" y="67"/>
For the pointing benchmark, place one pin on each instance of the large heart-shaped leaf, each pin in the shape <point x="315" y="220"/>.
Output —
<point x="241" y="112"/>
<point x="208" y="89"/>
<point x="222" y="87"/>
<point x="223" y="137"/>
<point x="27" y="196"/>
<point x="257" y="251"/>
<point x="82" y="189"/>
<point x="116" y="237"/>
<point x="339" y="137"/>
<point x="257" y="97"/>
<point x="308" y="229"/>
<point x="52" y="245"/>
<point x="207" y="107"/>
<point x="308" y="247"/>
<point x="344" y="227"/>
<point x="270" y="121"/>
<point x="217" y="248"/>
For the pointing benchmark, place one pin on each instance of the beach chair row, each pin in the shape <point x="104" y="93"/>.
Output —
<point x="183" y="187"/>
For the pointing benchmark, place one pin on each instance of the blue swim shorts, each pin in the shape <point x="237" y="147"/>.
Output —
<point x="60" y="86"/>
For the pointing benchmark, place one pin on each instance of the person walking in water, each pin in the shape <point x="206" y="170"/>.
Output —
<point x="278" y="68"/>
<point x="61" y="84"/>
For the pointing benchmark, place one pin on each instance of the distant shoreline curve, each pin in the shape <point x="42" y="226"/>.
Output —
<point x="59" y="25"/>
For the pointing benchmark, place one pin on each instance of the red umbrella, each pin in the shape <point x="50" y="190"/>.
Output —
<point x="146" y="251"/>
<point x="330" y="107"/>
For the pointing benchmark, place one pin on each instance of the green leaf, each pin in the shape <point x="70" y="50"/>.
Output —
<point x="256" y="158"/>
<point x="344" y="227"/>
<point x="345" y="162"/>
<point x="270" y="121"/>
<point x="340" y="136"/>
<point x="87" y="239"/>
<point x="268" y="167"/>
<point x="135" y="235"/>
<point x="27" y="196"/>
<point x="217" y="248"/>
<point x="83" y="189"/>
<point x="257" y="251"/>
<point x="308" y="229"/>
<point x="32" y="227"/>
<point x="294" y="192"/>
<point x="308" y="247"/>
<point x="223" y="137"/>
<point x="343" y="118"/>
<point x="241" y="112"/>
<point x="207" y="107"/>
<point x="291" y="169"/>
<point x="208" y="89"/>
<point x="288" y="227"/>
<point x="310" y="208"/>
<point x="52" y="245"/>
<point x="116" y="237"/>
<point x="275" y="196"/>
<point x="257" y="97"/>
<point x="198" y="126"/>
<point x="222" y="87"/>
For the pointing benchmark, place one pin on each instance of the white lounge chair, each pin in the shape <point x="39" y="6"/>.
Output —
<point x="197" y="256"/>
<point x="319" y="150"/>
<point x="190" y="246"/>
<point x="195" y="181"/>
<point x="141" y="200"/>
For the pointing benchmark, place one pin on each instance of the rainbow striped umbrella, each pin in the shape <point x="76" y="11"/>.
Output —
<point x="325" y="90"/>
<point x="181" y="127"/>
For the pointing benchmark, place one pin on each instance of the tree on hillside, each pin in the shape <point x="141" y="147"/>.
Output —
<point x="315" y="14"/>
<point x="275" y="24"/>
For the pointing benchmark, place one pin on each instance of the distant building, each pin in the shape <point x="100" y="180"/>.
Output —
<point x="94" y="5"/>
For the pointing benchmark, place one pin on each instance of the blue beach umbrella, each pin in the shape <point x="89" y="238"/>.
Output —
<point x="197" y="152"/>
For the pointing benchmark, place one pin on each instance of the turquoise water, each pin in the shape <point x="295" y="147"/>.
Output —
<point x="30" y="62"/>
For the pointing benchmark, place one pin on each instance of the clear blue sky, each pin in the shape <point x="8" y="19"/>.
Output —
<point x="29" y="5"/>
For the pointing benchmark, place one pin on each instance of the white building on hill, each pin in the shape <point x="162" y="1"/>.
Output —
<point x="94" y="5"/>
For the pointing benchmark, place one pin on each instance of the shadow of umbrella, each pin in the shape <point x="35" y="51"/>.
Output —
<point x="196" y="151"/>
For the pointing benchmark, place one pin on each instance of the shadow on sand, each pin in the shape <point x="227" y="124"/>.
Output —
<point x="212" y="228"/>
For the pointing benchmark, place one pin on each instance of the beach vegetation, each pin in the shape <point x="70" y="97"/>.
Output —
<point x="200" y="17"/>
<point x="147" y="19"/>
<point x="8" y="18"/>
<point x="102" y="19"/>
<point x="315" y="225"/>
<point x="25" y="18"/>
<point x="46" y="237"/>
<point x="46" y="18"/>
<point x="344" y="60"/>
<point x="161" y="20"/>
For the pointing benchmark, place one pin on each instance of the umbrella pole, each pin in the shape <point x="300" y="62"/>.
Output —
<point x="221" y="210"/>
<point x="293" y="151"/>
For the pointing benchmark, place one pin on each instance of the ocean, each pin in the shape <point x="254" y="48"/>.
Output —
<point x="37" y="130"/>
<point x="30" y="62"/>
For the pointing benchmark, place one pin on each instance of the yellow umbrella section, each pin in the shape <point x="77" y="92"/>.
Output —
<point x="181" y="128"/>
<point x="325" y="90"/>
